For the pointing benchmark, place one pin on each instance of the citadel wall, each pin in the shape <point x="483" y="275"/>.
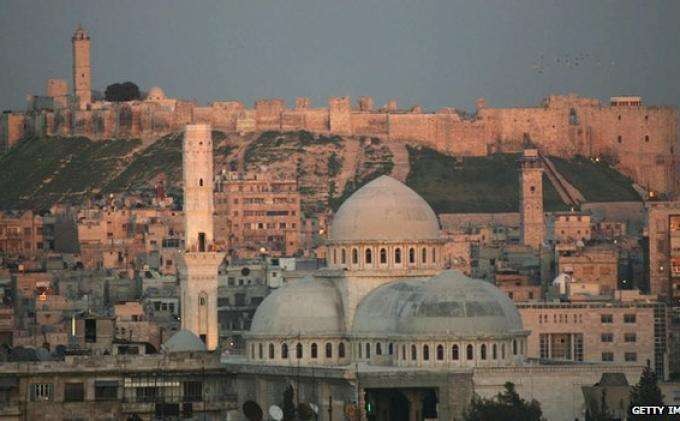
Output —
<point x="642" y="140"/>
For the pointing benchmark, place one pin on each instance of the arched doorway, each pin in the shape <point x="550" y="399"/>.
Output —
<point x="252" y="411"/>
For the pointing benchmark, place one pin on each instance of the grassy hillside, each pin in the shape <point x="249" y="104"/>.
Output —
<point x="471" y="184"/>
<point x="597" y="181"/>
<point x="40" y="171"/>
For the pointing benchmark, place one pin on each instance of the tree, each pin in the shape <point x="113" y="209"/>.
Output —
<point x="506" y="406"/>
<point x="645" y="392"/>
<point x="288" y="404"/>
<point x="120" y="92"/>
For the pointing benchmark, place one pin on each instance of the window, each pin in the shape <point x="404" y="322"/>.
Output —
<point x="578" y="346"/>
<point x="397" y="255"/>
<point x="90" y="330"/>
<point x="41" y="391"/>
<point x="514" y="347"/>
<point x="483" y="351"/>
<point x="434" y="256"/>
<point x="74" y="392"/>
<point x="105" y="390"/>
<point x="426" y="353"/>
<point x="440" y="352"/>
<point x="414" y="352"/>
<point x="341" y="350"/>
<point x="343" y="256"/>
<point x="200" y="182"/>
<point x="630" y="356"/>
<point x="503" y="351"/>
<point x="355" y="256"/>
<point x="423" y="253"/>
<point x="646" y="138"/>
<point x="390" y="348"/>
<point x="314" y="351"/>
<point x="383" y="256"/>
<point x="284" y="351"/>
<point x="629" y="337"/>
<point x="271" y="351"/>
<point x="543" y="345"/>
<point x="607" y="337"/>
<point x="619" y="139"/>
<point x="329" y="350"/>
<point x="629" y="318"/>
<point x="260" y="351"/>
<point x="368" y="350"/>
<point x="454" y="353"/>
<point x="607" y="356"/>
<point x="607" y="318"/>
<point x="495" y="352"/>
<point x="378" y="349"/>
<point x="470" y="352"/>
<point x="193" y="391"/>
<point x="411" y="255"/>
<point x="369" y="257"/>
<point x="298" y="351"/>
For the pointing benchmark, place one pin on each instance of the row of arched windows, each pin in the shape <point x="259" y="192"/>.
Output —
<point x="383" y="256"/>
<point x="298" y="351"/>
<point x="486" y="352"/>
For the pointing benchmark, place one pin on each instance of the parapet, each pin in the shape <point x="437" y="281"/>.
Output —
<point x="625" y="101"/>
<point x="365" y="103"/>
<point x="391" y="105"/>
<point x="303" y="103"/>
<point x="342" y="103"/>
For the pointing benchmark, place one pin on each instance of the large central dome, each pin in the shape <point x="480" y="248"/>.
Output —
<point x="384" y="210"/>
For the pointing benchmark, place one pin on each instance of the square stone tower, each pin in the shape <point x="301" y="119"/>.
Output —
<point x="199" y="263"/>
<point x="532" y="218"/>
<point x="82" y="72"/>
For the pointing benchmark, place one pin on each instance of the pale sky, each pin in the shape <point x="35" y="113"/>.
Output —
<point x="434" y="53"/>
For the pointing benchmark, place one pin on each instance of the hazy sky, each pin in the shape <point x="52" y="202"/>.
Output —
<point x="435" y="53"/>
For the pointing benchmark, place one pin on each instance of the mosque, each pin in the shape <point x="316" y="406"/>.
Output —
<point x="383" y="332"/>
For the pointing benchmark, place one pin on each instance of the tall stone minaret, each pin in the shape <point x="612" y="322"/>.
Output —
<point x="82" y="72"/>
<point x="200" y="261"/>
<point x="532" y="219"/>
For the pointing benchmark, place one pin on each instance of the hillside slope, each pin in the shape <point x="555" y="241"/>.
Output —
<point x="42" y="171"/>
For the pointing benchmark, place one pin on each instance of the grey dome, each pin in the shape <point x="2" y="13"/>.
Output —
<point x="385" y="210"/>
<point x="447" y="305"/>
<point x="308" y="307"/>
<point x="183" y="341"/>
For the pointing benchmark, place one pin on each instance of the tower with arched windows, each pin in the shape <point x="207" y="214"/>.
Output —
<point x="200" y="261"/>
<point x="82" y="72"/>
<point x="532" y="219"/>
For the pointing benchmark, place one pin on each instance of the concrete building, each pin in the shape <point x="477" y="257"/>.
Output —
<point x="532" y="219"/>
<point x="596" y="265"/>
<point x="200" y="261"/>
<point x="663" y="230"/>
<point x="258" y="214"/>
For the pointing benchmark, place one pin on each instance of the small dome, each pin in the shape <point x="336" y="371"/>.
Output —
<point x="183" y="341"/>
<point x="384" y="210"/>
<point x="447" y="305"/>
<point x="155" y="94"/>
<point x="308" y="307"/>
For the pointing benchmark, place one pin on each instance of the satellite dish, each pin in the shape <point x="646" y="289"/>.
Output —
<point x="276" y="412"/>
<point x="314" y="407"/>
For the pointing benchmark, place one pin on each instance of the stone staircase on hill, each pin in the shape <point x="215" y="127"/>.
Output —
<point x="568" y="193"/>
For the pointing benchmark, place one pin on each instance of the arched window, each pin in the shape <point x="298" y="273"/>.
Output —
<point x="315" y="351"/>
<point x="454" y="353"/>
<point x="426" y="353"/>
<point x="200" y="182"/>
<point x="341" y="350"/>
<point x="329" y="350"/>
<point x="343" y="256"/>
<point x="503" y="351"/>
<point x="271" y="351"/>
<point x="368" y="350"/>
<point x="514" y="347"/>
<point x="298" y="351"/>
<point x="355" y="256"/>
<point x="202" y="299"/>
<point x="369" y="257"/>
<point x="383" y="256"/>
<point x="378" y="349"/>
<point x="260" y="351"/>
<point x="434" y="255"/>
<point x="483" y="351"/>
<point x="397" y="255"/>
<point x="390" y="348"/>
<point x="411" y="255"/>
<point x="423" y="253"/>
<point x="440" y="352"/>
<point x="470" y="352"/>
<point x="414" y="352"/>
<point x="335" y="257"/>
<point x="252" y="351"/>
<point x="403" y="352"/>
<point x="495" y="352"/>
<point x="284" y="351"/>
